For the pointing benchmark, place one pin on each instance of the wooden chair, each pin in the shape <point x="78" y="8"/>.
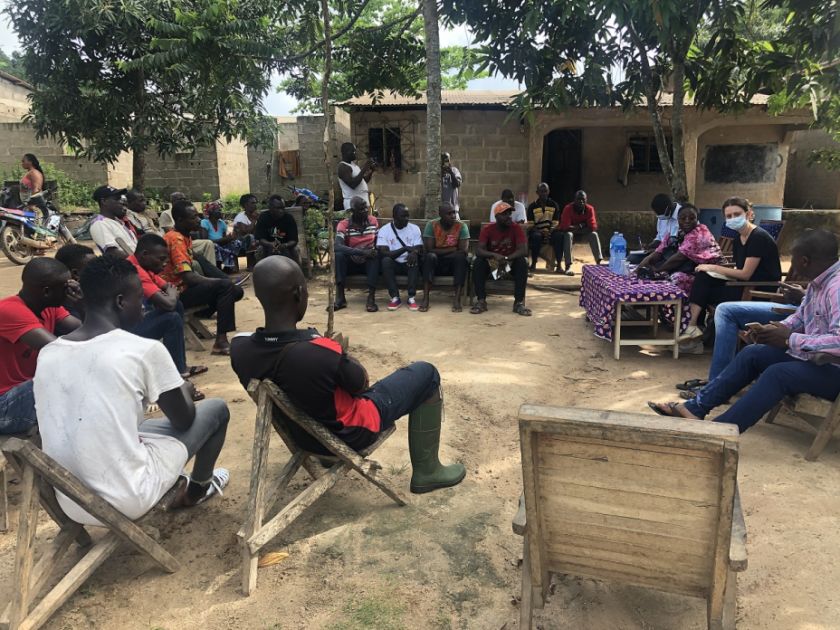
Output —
<point x="5" y="461"/>
<point x="256" y="532"/>
<point x="41" y="477"/>
<point x="813" y="415"/>
<point x="195" y="330"/>
<point x="631" y="498"/>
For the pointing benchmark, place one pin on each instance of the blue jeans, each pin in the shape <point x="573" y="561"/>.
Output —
<point x="168" y="327"/>
<point x="17" y="409"/>
<point x="731" y="317"/>
<point x="776" y="375"/>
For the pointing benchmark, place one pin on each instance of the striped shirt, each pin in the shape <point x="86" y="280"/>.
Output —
<point x="816" y="323"/>
<point x="356" y="238"/>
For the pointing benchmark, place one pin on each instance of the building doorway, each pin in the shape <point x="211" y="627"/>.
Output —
<point x="561" y="164"/>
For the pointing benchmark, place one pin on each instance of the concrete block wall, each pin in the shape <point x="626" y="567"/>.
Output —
<point x="19" y="138"/>
<point x="14" y="104"/>
<point x="811" y="186"/>
<point x="491" y="154"/>
<point x="193" y="174"/>
<point x="232" y="165"/>
<point x="311" y="145"/>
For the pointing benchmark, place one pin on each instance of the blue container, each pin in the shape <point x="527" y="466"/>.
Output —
<point x="713" y="219"/>
<point x="766" y="212"/>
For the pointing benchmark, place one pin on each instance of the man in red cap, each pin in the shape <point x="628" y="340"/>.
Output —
<point x="502" y="246"/>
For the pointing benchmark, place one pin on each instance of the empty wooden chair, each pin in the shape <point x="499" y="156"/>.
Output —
<point x="256" y="532"/>
<point x="630" y="498"/>
<point x="41" y="477"/>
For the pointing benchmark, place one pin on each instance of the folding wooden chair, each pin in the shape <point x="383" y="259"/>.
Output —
<point x="195" y="330"/>
<point x="812" y="415"/>
<point x="631" y="498"/>
<point x="256" y="532"/>
<point x="4" y="475"/>
<point x="41" y="476"/>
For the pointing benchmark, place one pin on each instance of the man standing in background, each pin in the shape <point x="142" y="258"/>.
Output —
<point x="450" y="183"/>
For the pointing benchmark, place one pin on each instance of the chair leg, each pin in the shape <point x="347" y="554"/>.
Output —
<point x="4" y="497"/>
<point x="774" y="412"/>
<point x="24" y="554"/>
<point x="526" y="607"/>
<point x="192" y="341"/>
<point x="825" y="433"/>
<point x="730" y="604"/>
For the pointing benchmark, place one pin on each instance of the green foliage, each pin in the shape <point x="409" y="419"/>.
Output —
<point x="93" y="95"/>
<point x="230" y="204"/>
<point x="13" y="65"/>
<point x="69" y="192"/>
<point x="314" y="223"/>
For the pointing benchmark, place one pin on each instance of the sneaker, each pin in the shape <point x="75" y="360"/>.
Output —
<point x="413" y="305"/>
<point x="219" y="481"/>
<point x="691" y="333"/>
<point x="692" y="347"/>
<point x="394" y="304"/>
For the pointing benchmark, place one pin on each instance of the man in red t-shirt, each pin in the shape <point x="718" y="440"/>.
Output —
<point x="578" y="217"/>
<point x="502" y="246"/>
<point x="29" y="321"/>
<point x="163" y="313"/>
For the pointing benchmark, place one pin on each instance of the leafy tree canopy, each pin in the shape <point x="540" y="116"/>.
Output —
<point x="13" y="65"/>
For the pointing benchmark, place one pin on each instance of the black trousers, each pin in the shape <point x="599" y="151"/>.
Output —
<point x="536" y="240"/>
<point x="220" y="297"/>
<point x="708" y="291"/>
<point x="345" y="266"/>
<point x="519" y="269"/>
<point x="390" y="269"/>
<point x="453" y="264"/>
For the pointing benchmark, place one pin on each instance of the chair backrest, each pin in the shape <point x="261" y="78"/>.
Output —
<point x="633" y="498"/>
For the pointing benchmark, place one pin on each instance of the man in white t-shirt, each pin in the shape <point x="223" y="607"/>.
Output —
<point x="519" y="213"/>
<point x="111" y="233"/>
<point x="400" y="245"/>
<point x="352" y="178"/>
<point x="98" y="432"/>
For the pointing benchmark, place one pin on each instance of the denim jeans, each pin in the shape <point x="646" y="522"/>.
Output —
<point x="776" y="375"/>
<point x="391" y="267"/>
<point x="167" y="326"/>
<point x="401" y="392"/>
<point x="731" y="317"/>
<point x="17" y="409"/>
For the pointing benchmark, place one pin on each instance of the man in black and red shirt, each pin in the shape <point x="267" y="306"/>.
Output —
<point x="502" y="247"/>
<point x="332" y="387"/>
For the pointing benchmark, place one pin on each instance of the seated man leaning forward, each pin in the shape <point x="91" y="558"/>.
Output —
<point x="99" y="433"/>
<point x="400" y="245"/>
<point x="446" y="240"/>
<point x="784" y="361"/>
<point x="502" y="246"/>
<point x="219" y="295"/>
<point x="355" y="252"/>
<point x="332" y="387"/>
<point x="29" y="321"/>
<point x="276" y="230"/>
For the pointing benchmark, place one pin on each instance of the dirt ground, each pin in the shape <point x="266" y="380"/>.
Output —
<point x="450" y="559"/>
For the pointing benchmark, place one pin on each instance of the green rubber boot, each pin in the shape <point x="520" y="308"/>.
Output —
<point x="423" y="440"/>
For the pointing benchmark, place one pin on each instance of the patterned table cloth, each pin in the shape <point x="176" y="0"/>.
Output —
<point x="601" y="290"/>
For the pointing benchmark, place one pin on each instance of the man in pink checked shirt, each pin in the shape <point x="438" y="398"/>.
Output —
<point x="783" y="361"/>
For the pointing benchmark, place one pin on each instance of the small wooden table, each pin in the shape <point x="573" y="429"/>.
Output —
<point x="603" y="294"/>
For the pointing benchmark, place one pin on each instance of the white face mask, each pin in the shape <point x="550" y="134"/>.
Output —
<point x="736" y="223"/>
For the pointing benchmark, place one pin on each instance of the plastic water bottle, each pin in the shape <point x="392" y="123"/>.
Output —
<point x="620" y="253"/>
<point x="612" y="252"/>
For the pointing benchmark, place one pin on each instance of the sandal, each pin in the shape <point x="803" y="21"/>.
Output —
<point x="671" y="406"/>
<point x="521" y="309"/>
<point x="223" y="352"/>
<point x="688" y="394"/>
<point x="337" y="306"/>
<point x="479" y="307"/>
<point x="372" y="307"/>
<point x="195" y="370"/>
<point x="198" y="395"/>
<point x="692" y="383"/>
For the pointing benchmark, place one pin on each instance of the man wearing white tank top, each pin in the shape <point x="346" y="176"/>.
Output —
<point x="353" y="179"/>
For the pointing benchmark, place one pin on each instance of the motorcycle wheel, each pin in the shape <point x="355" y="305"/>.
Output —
<point x="15" y="251"/>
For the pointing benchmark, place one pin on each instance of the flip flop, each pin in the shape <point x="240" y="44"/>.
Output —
<point x="195" y="370"/>
<point x="372" y="307"/>
<point x="521" y="309"/>
<point x="692" y="383"/>
<point x="688" y="394"/>
<point x="478" y="308"/>
<point x="198" y="395"/>
<point x="224" y="352"/>
<point x="672" y="407"/>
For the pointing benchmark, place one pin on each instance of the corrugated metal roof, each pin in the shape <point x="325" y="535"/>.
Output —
<point x="475" y="98"/>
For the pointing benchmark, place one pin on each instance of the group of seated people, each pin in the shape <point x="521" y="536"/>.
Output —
<point x="362" y="247"/>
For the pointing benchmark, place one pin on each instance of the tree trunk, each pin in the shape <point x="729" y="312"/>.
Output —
<point x="679" y="183"/>
<point x="329" y="151"/>
<point x="138" y="170"/>
<point x="433" y="115"/>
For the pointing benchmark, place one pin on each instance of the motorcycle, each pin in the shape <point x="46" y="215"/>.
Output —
<point x="31" y="228"/>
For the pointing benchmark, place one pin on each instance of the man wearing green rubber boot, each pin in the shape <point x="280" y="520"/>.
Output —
<point x="331" y="386"/>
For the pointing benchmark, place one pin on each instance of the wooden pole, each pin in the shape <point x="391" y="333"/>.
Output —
<point x="329" y="147"/>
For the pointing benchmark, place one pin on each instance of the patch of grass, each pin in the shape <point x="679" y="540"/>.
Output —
<point x="368" y="613"/>
<point x="395" y="471"/>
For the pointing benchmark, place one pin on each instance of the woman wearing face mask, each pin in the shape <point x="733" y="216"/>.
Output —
<point x="756" y="259"/>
